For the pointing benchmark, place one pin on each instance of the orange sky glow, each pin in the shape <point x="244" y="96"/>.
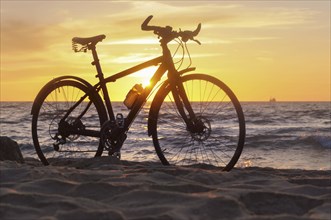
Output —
<point x="260" y="49"/>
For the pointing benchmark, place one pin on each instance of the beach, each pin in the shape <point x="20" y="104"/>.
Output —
<point x="106" y="188"/>
<point x="284" y="173"/>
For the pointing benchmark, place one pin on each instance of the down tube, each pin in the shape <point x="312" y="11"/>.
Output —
<point x="142" y="98"/>
<point x="154" y="62"/>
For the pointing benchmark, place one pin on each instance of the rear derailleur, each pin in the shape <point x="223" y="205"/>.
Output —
<point x="67" y="130"/>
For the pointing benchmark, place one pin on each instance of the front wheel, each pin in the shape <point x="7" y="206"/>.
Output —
<point x="66" y="121"/>
<point x="220" y="125"/>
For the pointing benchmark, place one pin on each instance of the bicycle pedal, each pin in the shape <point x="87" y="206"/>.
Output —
<point x="115" y="154"/>
<point x="120" y="120"/>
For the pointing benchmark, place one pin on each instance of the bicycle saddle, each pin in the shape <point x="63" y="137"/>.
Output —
<point x="88" y="40"/>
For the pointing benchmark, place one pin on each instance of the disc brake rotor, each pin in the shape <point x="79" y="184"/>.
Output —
<point x="202" y="129"/>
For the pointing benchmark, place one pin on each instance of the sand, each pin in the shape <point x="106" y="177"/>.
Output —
<point x="104" y="188"/>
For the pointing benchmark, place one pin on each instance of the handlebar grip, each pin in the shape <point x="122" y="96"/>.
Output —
<point x="196" y="31"/>
<point x="145" y="26"/>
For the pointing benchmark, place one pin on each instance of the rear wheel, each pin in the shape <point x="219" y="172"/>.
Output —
<point x="66" y="122"/>
<point x="217" y="137"/>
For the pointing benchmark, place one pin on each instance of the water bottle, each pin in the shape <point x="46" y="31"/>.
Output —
<point x="133" y="95"/>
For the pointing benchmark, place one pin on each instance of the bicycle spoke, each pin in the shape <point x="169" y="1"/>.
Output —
<point x="64" y="99"/>
<point x="216" y="142"/>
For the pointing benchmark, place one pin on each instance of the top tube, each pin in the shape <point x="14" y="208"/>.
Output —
<point x="154" y="62"/>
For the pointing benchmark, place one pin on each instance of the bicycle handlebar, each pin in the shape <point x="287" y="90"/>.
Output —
<point x="144" y="25"/>
<point x="167" y="32"/>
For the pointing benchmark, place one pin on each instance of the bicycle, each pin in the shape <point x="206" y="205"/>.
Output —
<point x="194" y="118"/>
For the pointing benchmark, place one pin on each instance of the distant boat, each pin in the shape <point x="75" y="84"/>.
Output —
<point x="272" y="100"/>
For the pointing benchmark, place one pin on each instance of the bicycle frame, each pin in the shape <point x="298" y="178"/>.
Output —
<point x="165" y="63"/>
<point x="155" y="78"/>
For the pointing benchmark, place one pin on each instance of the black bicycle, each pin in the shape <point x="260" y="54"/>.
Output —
<point x="193" y="118"/>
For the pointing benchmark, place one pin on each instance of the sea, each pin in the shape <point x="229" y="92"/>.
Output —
<point x="280" y="135"/>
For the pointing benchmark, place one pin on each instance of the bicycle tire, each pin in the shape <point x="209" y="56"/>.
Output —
<point x="51" y="104"/>
<point x="220" y="144"/>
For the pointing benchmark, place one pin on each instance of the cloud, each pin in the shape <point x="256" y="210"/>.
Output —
<point x="247" y="35"/>
<point x="46" y="24"/>
<point x="39" y="29"/>
<point x="219" y="14"/>
<point x="246" y="16"/>
<point x="135" y="41"/>
<point x="134" y="58"/>
<point x="21" y="36"/>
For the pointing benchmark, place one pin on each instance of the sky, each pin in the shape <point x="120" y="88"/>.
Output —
<point x="260" y="49"/>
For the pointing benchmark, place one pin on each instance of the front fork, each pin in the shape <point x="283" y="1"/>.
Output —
<point x="182" y="102"/>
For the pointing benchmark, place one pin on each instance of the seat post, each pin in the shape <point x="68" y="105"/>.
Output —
<point x="96" y="62"/>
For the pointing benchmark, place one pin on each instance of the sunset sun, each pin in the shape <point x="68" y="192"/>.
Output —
<point x="144" y="75"/>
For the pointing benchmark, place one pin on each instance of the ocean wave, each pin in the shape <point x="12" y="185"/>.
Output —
<point x="272" y="130"/>
<point x="288" y="140"/>
<point x="321" y="140"/>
